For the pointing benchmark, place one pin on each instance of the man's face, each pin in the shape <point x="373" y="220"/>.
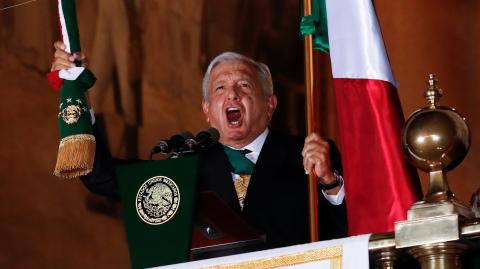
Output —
<point x="237" y="105"/>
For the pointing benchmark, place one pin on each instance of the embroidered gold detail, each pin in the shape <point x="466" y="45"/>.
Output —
<point x="241" y="186"/>
<point x="71" y="114"/>
<point x="334" y="254"/>
<point x="75" y="138"/>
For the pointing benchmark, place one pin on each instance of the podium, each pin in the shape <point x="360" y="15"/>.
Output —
<point x="167" y="223"/>
<point x="157" y="200"/>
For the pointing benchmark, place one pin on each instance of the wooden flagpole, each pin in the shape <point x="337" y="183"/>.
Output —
<point x="310" y="117"/>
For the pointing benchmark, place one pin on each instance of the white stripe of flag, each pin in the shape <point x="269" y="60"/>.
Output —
<point x="63" y="27"/>
<point x="356" y="44"/>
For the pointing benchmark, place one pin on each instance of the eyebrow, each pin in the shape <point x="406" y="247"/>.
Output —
<point x="218" y="81"/>
<point x="222" y="80"/>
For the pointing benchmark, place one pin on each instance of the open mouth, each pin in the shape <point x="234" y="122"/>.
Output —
<point x="233" y="115"/>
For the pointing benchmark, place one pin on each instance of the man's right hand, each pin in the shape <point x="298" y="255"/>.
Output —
<point x="65" y="60"/>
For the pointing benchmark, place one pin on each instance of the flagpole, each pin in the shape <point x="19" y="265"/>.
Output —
<point x="310" y="117"/>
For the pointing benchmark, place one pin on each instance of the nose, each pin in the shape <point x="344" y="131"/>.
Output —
<point x="233" y="93"/>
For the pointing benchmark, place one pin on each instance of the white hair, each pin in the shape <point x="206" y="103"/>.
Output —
<point x="263" y="71"/>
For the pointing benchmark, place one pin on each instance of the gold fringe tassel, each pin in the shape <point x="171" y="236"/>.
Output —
<point x="76" y="154"/>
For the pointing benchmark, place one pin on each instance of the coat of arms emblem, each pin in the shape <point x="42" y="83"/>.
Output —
<point x="157" y="200"/>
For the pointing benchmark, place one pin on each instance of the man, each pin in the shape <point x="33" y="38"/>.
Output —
<point x="267" y="185"/>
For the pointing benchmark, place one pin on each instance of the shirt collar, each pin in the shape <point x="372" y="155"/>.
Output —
<point x="256" y="146"/>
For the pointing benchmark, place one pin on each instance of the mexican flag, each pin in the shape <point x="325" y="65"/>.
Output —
<point x="379" y="184"/>
<point x="76" y="151"/>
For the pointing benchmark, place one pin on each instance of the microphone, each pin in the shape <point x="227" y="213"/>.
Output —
<point x="203" y="139"/>
<point x="175" y="143"/>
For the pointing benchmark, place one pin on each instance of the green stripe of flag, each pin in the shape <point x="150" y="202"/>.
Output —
<point x="70" y="15"/>
<point x="316" y="24"/>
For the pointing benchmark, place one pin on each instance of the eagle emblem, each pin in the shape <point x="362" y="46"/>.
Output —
<point x="157" y="200"/>
<point x="71" y="114"/>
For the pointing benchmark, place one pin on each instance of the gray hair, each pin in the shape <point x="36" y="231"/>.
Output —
<point x="262" y="70"/>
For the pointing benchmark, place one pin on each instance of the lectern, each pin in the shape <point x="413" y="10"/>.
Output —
<point x="162" y="212"/>
<point x="158" y="199"/>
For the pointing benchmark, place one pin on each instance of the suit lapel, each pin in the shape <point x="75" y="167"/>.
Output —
<point x="216" y="173"/>
<point x="271" y="158"/>
<point x="216" y="176"/>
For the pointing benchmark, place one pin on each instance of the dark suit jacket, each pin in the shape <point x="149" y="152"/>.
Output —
<point x="277" y="197"/>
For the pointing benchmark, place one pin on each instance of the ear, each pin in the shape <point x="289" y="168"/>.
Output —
<point x="206" y="107"/>
<point x="271" y="104"/>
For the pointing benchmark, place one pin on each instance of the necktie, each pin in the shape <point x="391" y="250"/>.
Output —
<point x="243" y="167"/>
<point x="241" y="186"/>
